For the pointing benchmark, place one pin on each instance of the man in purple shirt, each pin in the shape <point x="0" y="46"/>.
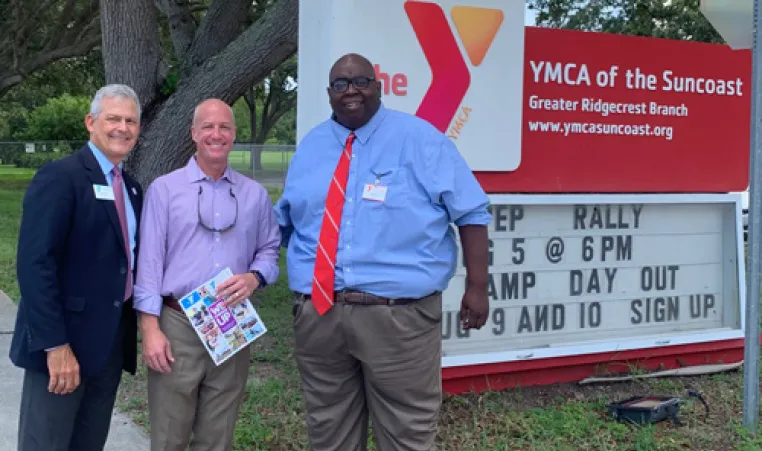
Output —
<point x="197" y="221"/>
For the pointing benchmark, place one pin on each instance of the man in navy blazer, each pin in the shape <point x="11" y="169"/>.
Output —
<point x="76" y="329"/>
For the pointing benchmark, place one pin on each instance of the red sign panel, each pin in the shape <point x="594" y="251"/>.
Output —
<point x="607" y="113"/>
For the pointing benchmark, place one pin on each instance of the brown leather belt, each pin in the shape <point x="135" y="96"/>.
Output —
<point x="172" y="303"/>
<point x="362" y="298"/>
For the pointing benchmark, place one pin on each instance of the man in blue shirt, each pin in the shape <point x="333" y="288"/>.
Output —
<point x="373" y="347"/>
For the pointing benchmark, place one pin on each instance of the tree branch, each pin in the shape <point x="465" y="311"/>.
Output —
<point x="221" y="24"/>
<point x="182" y="25"/>
<point x="10" y="78"/>
<point x="245" y="62"/>
<point x="61" y="27"/>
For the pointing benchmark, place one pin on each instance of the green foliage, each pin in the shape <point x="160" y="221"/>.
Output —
<point x="243" y="126"/>
<point x="36" y="160"/>
<point x="284" y="131"/>
<point x="676" y="19"/>
<point x="60" y="118"/>
<point x="170" y="82"/>
<point x="275" y="100"/>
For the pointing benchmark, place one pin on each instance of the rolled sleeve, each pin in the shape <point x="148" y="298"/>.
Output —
<point x="455" y="186"/>
<point x="268" y="244"/>
<point x="282" y="214"/>
<point x="153" y="232"/>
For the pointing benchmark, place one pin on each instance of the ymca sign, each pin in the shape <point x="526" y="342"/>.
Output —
<point x="440" y="61"/>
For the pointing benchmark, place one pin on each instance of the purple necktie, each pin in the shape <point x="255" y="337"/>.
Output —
<point x="120" y="210"/>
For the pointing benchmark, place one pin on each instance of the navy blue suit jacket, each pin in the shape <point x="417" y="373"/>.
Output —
<point x="71" y="268"/>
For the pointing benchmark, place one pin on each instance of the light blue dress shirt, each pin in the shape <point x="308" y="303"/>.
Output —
<point x="106" y="167"/>
<point x="404" y="246"/>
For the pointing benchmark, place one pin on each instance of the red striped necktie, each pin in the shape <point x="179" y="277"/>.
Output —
<point x="328" y="242"/>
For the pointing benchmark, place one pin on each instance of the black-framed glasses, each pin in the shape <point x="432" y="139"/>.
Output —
<point x="214" y="229"/>
<point x="342" y="84"/>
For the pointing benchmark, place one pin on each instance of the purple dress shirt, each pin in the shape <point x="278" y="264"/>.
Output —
<point x="177" y="254"/>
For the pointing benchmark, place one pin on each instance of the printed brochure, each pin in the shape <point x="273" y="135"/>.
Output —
<point x="224" y="331"/>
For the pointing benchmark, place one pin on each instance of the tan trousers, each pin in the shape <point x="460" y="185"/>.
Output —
<point x="382" y="361"/>
<point x="197" y="403"/>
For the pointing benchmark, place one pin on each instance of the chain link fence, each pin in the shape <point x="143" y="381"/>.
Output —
<point x="266" y="163"/>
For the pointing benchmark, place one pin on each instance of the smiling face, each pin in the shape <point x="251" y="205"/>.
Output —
<point x="353" y="91"/>
<point x="115" y="129"/>
<point x="213" y="131"/>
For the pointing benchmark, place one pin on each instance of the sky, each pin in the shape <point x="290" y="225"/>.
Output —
<point x="529" y="17"/>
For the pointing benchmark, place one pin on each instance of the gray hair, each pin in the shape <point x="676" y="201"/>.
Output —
<point x="112" y="90"/>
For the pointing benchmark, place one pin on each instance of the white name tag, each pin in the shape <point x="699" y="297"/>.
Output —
<point x="103" y="192"/>
<point x="375" y="193"/>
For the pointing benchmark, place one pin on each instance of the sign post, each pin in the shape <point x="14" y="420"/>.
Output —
<point x="731" y="19"/>
<point x="751" y="350"/>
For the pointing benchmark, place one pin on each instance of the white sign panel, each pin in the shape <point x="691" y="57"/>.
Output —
<point x="581" y="274"/>
<point x="457" y="64"/>
<point x="733" y="20"/>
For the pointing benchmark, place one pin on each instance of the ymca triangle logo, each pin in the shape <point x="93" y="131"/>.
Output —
<point x="450" y="75"/>
<point x="477" y="28"/>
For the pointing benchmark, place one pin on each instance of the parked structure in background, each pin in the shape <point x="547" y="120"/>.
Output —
<point x="273" y="158"/>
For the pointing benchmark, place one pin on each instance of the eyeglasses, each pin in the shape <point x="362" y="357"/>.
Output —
<point x="213" y="229"/>
<point x="342" y="84"/>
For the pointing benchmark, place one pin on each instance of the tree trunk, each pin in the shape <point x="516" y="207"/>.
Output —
<point x="131" y="47"/>
<point x="165" y="142"/>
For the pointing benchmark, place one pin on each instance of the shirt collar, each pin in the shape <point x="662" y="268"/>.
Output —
<point x="195" y="174"/>
<point x="100" y="157"/>
<point x="363" y="133"/>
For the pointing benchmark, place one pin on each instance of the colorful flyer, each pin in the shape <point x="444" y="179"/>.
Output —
<point x="223" y="330"/>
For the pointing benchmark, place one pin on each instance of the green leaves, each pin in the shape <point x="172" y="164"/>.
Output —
<point x="677" y="19"/>
<point x="60" y="118"/>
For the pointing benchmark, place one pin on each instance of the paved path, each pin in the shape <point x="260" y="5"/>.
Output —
<point x="124" y="435"/>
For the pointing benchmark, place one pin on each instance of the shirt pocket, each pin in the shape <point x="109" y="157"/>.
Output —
<point x="395" y="181"/>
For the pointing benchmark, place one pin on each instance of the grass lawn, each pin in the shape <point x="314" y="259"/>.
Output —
<point x="561" y="417"/>
<point x="273" y="161"/>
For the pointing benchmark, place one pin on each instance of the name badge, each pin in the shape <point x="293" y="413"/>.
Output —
<point x="376" y="193"/>
<point x="103" y="192"/>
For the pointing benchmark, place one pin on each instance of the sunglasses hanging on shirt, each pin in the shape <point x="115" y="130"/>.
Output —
<point x="214" y="229"/>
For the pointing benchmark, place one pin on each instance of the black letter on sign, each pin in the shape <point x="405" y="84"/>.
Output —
<point x="517" y="214"/>
<point x="500" y="218"/>
<point x="579" y="216"/>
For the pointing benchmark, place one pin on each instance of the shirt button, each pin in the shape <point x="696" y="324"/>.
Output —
<point x="349" y="222"/>
<point x="349" y="247"/>
<point x="217" y="214"/>
<point x="217" y="239"/>
<point x="216" y="265"/>
<point x="349" y="269"/>
<point x="350" y="199"/>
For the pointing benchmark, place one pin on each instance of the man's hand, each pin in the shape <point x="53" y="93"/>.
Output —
<point x="63" y="369"/>
<point x="237" y="288"/>
<point x="474" y="308"/>
<point x="157" y="352"/>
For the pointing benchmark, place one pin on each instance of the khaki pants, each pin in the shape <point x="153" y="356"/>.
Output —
<point x="361" y="360"/>
<point x="197" y="403"/>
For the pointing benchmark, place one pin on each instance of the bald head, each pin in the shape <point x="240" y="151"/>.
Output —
<point x="352" y="59"/>
<point x="353" y="91"/>
<point x="211" y="104"/>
